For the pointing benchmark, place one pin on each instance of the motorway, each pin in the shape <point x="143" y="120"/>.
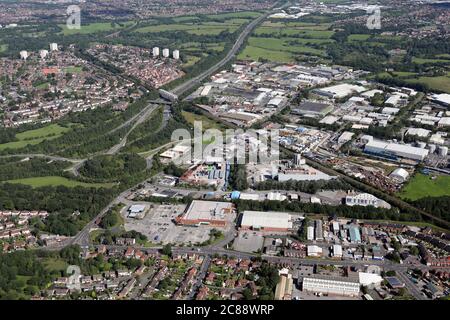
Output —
<point x="230" y="55"/>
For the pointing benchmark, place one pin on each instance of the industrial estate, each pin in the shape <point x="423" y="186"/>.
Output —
<point x="353" y="204"/>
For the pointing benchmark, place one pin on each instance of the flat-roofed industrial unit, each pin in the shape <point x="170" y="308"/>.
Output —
<point x="311" y="107"/>
<point x="394" y="282"/>
<point x="443" y="98"/>
<point x="399" y="150"/>
<point x="267" y="221"/>
<point x="208" y="213"/>
<point x="333" y="285"/>
<point x="340" y="90"/>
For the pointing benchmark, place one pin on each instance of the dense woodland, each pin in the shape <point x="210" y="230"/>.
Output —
<point x="34" y="167"/>
<point x="113" y="167"/>
<point x="60" y="201"/>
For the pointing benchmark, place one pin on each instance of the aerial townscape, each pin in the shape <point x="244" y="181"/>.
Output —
<point x="121" y="139"/>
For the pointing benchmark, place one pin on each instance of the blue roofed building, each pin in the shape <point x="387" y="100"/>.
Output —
<point x="235" y="195"/>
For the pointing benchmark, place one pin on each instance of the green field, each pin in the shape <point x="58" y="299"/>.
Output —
<point x="73" y="69"/>
<point x="93" y="28"/>
<point x="425" y="60"/>
<point x="55" y="264"/>
<point x="232" y="15"/>
<point x="255" y="53"/>
<point x="36" y="136"/>
<point x="197" y="29"/>
<point x="207" y="123"/>
<point x="358" y="37"/>
<point x="3" y="47"/>
<point x="422" y="186"/>
<point x="441" y="83"/>
<point x="58" y="181"/>
<point x="287" y="41"/>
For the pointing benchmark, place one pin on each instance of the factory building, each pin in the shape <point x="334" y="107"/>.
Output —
<point x="310" y="233"/>
<point x="355" y="235"/>
<point x="23" y="55"/>
<point x="400" y="175"/>
<point x="266" y="221"/>
<point x="394" y="150"/>
<point x="217" y="214"/>
<point x="53" y="46"/>
<point x="345" y="137"/>
<point x="341" y="286"/>
<point x="137" y="211"/>
<point x="174" y="153"/>
<point x="337" y="251"/>
<point x="318" y="230"/>
<point x="283" y="290"/>
<point x="312" y="108"/>
<point x="314" y="251"/>
<point x="340" y="90"/>
<point x="363" y="199"/>
<point x="43" y="53"/>
<point x="443" y="99"/>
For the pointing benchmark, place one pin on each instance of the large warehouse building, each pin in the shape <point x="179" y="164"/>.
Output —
<point x="312" y="108"/>
<point x="394" y="150"/>
<point x="266" y="221"/>
<point x="218" y="214"/>
<point x="342" y="286"/>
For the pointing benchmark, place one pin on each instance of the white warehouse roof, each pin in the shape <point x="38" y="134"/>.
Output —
<point x="400" y="150"/>
<point x="262" y="219"/>
<point x="400" y="173"/>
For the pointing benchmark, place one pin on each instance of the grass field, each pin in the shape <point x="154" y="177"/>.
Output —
<point x="422" y="186"/>
<point x="287" y="42"/>
<point x="197" y="29"/>
<point x="441" y="83"/>
<point x="424" y="60"/>
<point x="54" y="264"/>
<point x="36" y="136"/>
<point x="3" y="47"/>
<point x="207" y="123"/>
<point x="235" y="15"/>
<point x="73" y="69"/>
<point x="93" y="28"/>
<point x="58" y="181"/>
<point x="255" y="53"/>
<point x="358" y="37"/>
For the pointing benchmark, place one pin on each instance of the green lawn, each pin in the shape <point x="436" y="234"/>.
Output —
<point x="234" y="15"/>
<point x="424" y="60"/>
<point x="92" y="28"/>
<point x="207" y="123"/>
<point x="3" y="47"/>
<point x="36" y="136"/>
<point x="422" y="186"/>
<point x="254" y="53"/>
<point x="73" y="69"/>
<point x="55" y="264"/>
<point x="441" y="83"/>
<point x="197" y="29"/>
<point x="57" y="181"/>
<point x="358" y="37"/>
